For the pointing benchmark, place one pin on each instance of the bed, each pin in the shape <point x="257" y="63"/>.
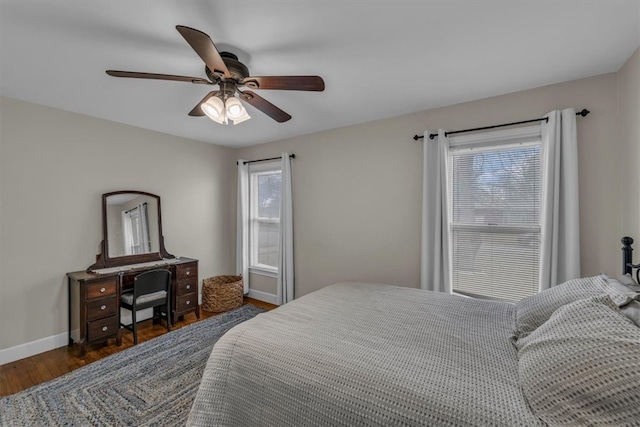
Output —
<point x="380" y="355"/>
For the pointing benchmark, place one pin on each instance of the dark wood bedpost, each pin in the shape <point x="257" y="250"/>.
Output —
<point x="627" y="255"/>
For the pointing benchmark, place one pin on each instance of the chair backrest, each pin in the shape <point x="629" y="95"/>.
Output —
<point x="151" y="281"/>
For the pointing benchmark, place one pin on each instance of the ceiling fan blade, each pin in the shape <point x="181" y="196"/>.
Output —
<point x="204" y="47"/>
<point x="136" y="75"/>
<point x="197" y="111"/>
<point x="265" y="106"/>
<point x="309" y="83"/>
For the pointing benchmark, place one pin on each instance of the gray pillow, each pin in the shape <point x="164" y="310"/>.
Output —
<point x="625" y="285"/>
<point x="581" y="366"/>
<point x="629" y="282"/>
<point x="533" y="311"/>
<point x="632" y="311"/>
<point x="622" y="285"/>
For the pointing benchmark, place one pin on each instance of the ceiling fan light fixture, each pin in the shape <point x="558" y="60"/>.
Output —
<point x="225" y="70"/>
<point x="214" y="109"/>
<point x="242" y="118"/>
<point x="235" y="109"/>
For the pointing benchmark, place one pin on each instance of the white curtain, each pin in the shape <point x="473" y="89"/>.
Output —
<point x="435" y="253"/>
<point x="127" y="233"/>
<point x="560" y="250"/>
<point x="285" y="243"/>
<point x="242" y="225"/>
<point x="145" y="243"/>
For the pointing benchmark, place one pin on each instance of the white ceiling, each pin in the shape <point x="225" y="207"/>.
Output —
<point x="378" y="58"/>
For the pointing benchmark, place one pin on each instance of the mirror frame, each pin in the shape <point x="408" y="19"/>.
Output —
<point x="104" y="261"/>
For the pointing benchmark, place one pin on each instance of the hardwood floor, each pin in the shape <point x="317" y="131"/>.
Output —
<point x="22" y="374"/>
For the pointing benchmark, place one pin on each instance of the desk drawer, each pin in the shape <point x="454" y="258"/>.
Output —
<point x="103" y="307"/>
<point x="103" y="328"/>
<point x="186" y="286"/>
<point x="186" y="302"/>
<point x="102" y="288"/>
<point x="186" y="271"/>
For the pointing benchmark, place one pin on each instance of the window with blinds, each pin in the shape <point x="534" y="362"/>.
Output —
<point x="495" y="217"/>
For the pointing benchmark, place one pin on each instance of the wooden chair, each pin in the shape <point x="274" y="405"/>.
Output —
<point x="150" y="289"/>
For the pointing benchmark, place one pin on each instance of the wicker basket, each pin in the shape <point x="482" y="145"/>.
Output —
<point x="222" y="293"/>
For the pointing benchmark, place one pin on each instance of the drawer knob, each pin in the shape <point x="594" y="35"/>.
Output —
<point x="102" y="290"/>
<point x="104" y="328"/>
<point x="103" y="307"/>
<point x="188" y="286"/>
<point x="188" y="273"/>
<point x="188" y="302"/>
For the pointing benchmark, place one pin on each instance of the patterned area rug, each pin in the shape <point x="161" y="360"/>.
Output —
<point x="153" y="383"/>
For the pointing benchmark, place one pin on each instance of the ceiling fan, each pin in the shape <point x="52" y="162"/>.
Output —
<point x="224" y="69"/>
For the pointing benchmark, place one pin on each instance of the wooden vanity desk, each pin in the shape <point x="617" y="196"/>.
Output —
<point x="94" y="299"/>
<point x="132" y="244"/>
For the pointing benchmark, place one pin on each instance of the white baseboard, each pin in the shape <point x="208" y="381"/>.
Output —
<point x="32" y="348"/>
<point x="263" y="296"/>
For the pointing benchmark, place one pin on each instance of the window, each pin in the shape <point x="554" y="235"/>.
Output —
<point x="494" y="183"/>
<point x="264" y="216"/>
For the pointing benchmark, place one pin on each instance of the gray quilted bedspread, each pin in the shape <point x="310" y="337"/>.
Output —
<point x="357" y="354"/>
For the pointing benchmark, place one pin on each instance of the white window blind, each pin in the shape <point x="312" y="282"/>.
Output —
<point x="264" y="208"/>
<point x="495" y="215"/>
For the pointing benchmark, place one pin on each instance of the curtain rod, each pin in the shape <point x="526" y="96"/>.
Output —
<point x="582" y="113"/>
<point x="133" y="209"/>
<point x="293" y="156"/>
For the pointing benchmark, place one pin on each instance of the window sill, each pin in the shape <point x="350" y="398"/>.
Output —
<point x="264" y="272"/>
<point x="486" y="298"/>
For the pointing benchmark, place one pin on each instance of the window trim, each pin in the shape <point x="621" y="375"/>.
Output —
<point x="255" y="170"/>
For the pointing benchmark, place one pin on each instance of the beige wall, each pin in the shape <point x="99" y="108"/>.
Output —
<point x="356" y="195"/>
<point x="629" y="161"/>
<point x="357" y="190"/>
<point x="262" y="283"/>
<point x="54" y="167"/>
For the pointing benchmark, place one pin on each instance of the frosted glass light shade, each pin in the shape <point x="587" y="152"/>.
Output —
<point x="234" y="108"/>
<point x="214" y="109"/>
<point x="242" y="118"/>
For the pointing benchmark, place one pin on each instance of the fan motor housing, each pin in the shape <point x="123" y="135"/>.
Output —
<point x="237" y="69"/>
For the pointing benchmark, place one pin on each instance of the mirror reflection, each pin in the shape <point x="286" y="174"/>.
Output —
<point x="132" y="224"/>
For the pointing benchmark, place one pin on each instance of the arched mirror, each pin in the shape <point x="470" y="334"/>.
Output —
<point x="132" y="229"/>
